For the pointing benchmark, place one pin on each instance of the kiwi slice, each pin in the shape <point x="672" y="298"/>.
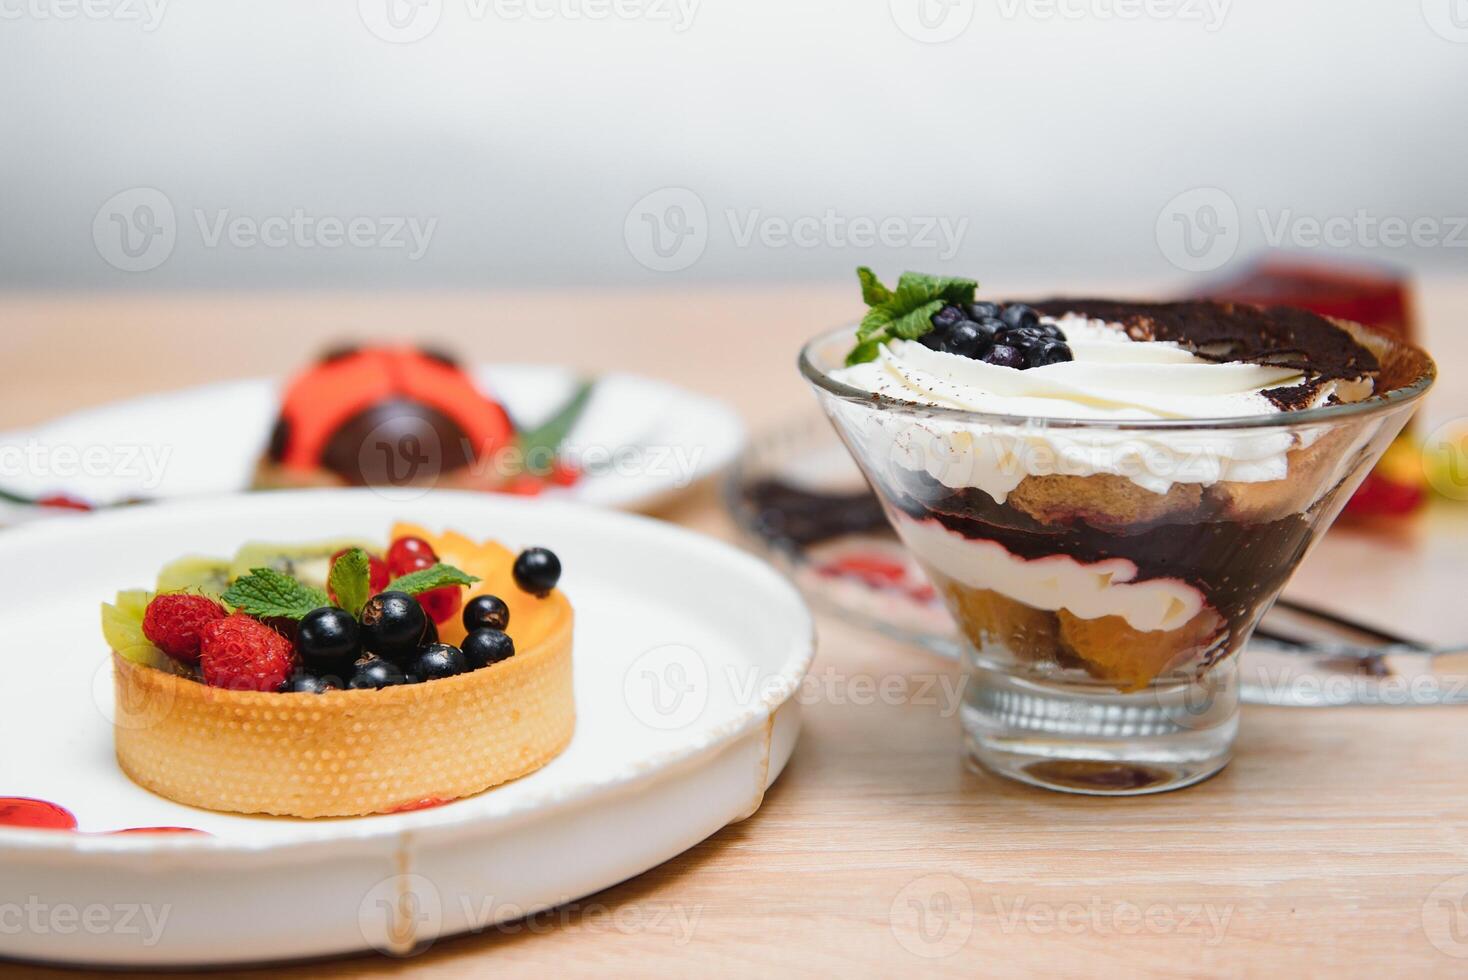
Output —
<point x="122" y="625"/>
<point x="309" y="563"/>
<point x="193" y="573"/>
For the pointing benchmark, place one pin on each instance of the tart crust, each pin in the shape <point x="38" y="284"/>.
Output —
<point x="346" y="753"/>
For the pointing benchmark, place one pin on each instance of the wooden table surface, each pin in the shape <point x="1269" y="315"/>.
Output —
<point x="1337" y="841"/>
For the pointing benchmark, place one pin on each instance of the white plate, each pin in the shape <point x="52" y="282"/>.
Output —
<point x="687" y="655"/>
<point x="643" y="440"/>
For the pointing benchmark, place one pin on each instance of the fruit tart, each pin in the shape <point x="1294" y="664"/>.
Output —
<point x="341" y="679"/>
<point x="395" y="416"/>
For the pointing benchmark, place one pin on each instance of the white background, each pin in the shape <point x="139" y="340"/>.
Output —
<point x="1057" y="131"/>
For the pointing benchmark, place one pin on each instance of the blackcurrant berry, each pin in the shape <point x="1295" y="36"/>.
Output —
<point x="304" y="683"/>
<point x="486" y="611"/>
<point x="393" y="624"/>
<point x="487" y="646"/>
<point x="537" y="571"/>
<point x="327" y="639"/>
<point x="373" y="673"/>
<point x="982" y="311"/>
<point x="438" y="660"/>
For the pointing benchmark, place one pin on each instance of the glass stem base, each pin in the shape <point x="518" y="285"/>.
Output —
<point x="1081" y="739"/>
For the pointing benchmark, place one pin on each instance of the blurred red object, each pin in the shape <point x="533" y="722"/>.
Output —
<point x="1377" y="296"/>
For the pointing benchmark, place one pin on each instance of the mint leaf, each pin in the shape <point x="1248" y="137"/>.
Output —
<point x="351" y="579"/>
<point x="864" y="351"/>
<point x="911" y="326"/>
<point x="918" y="287"/>
<point x="539" y="445"/>
<point x="426" y="579"/>
<point x="873" y="293"/>
<point x="266" y="593"/>
<point x="904" y="313"/>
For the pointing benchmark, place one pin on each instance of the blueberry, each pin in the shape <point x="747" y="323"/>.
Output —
<point x="393" y="624"/>
<point x="327" y="638"/>
<point x="1049" y="352"/>
<point x="983" y="311"/>
<point x="487" y="646"/>
<point x="1019" y="315"/>
<point x="438" y="660"/>
<point x="486" y="610"/>
<point x="1052" y="331"/>
<point x="989" y="326"/>
<point x="304" y="683"/>
<point x="947" y="317"/>
<point x="965" y="340"/>
<point x="373" y="673"/>
<point x="934" y="339"/>
<point x="1023" y="337"/>
<point x="1005" y="356"/>
<point x="537" y="571"/>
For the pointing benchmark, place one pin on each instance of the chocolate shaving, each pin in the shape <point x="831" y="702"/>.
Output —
<point x="1278" y="335"/>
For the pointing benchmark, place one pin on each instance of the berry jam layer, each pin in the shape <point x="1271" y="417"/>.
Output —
<point x="1156" y="575"/>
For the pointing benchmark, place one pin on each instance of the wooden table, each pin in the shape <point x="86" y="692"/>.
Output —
<point x="1336" y="841"/>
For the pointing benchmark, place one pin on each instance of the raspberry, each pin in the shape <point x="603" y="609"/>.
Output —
<point x="173" y="623"/>
<point x="243" y="654"/>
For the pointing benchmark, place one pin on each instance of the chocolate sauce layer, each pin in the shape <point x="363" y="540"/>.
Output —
<point x="1234" y="565"/>
<point x="1276" y="335"/>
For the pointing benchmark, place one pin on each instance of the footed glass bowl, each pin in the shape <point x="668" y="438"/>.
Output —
<point x="1104" y="575"/>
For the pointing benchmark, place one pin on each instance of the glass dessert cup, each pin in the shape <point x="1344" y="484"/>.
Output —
<point x="1105" y="574"/>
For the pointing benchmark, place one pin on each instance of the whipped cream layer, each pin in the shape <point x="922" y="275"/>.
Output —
<point x="1112" y="378"/>
<point x="1088" y="590"/>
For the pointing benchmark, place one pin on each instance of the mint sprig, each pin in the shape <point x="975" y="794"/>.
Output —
<point x="266" y="593"/>
<point x="904" y="313"/>
<point x="538" y="446"/>
<point x="427" y="579"/>
<point x="351" y="579"/>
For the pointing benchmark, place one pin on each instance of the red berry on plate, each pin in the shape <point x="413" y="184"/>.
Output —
<point x="403" y="551"/>
<point x="61" y="501"/>
<point x="174" y="621"/>
<point x="442" y="605"/>
<point x="563" y="474"/>
<point x="241" y="653"/>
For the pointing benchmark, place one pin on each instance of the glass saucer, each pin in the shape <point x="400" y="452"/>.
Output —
<point x="801" y="503"/>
